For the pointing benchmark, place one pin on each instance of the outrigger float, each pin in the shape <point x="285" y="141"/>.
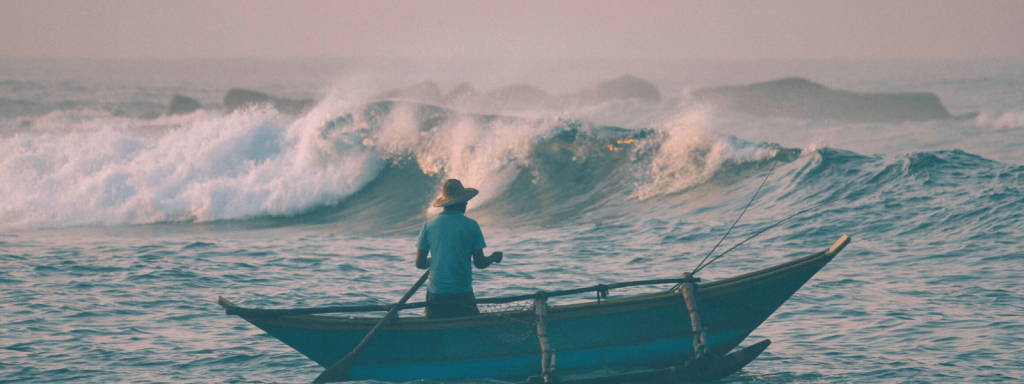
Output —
<point x="684" y="334"/>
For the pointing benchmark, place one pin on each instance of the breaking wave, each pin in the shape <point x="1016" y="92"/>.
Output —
<point x="93" y="168"/>
<point x="374" y="168"/>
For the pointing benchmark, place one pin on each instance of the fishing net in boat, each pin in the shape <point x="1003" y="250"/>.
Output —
<point x="511" y="323"/>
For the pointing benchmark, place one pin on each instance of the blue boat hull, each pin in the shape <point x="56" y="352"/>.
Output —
<point x="641" y="332"/>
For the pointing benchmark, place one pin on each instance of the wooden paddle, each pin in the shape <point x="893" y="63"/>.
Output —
<point x="339" y="371"/>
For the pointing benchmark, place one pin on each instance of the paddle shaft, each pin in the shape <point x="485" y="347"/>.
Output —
<point x="339" y="371"/>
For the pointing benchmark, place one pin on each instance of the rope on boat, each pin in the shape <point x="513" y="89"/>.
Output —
<point x="602" y="290"/>
<point x="596" y="288"/>
<point x="763" y="230"/>
<point x="701" y="264"/>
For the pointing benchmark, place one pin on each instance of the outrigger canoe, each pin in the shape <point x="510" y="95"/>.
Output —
<point x="647" y="336"/>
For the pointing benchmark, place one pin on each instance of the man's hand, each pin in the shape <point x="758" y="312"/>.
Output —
<point x="422" y="261"/>
<point x="481" y="261"/>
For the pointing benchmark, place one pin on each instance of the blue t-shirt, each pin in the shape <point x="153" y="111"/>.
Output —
<point x="451" y="237"/>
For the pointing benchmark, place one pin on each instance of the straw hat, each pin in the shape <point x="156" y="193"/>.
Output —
<point x="452" y="192"/>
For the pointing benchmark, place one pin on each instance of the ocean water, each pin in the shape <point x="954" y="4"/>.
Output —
<point x="119" y="226"/>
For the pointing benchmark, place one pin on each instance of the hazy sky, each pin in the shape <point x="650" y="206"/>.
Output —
<point x="620" y="30"/>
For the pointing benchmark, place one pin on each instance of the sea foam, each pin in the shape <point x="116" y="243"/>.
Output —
<point x="1005" y="120"/>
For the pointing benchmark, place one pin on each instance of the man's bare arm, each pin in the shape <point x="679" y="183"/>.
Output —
<point x="422" y="261"/>
<point x="482" y="261"/>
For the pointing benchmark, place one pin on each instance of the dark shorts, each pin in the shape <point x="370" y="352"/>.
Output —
<point x="440" y="306"/>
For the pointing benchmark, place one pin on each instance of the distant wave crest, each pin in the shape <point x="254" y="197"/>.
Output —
<point x="1005" y="120"/>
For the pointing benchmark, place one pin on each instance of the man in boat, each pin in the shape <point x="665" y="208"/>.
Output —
<point x="453" y="239"/>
